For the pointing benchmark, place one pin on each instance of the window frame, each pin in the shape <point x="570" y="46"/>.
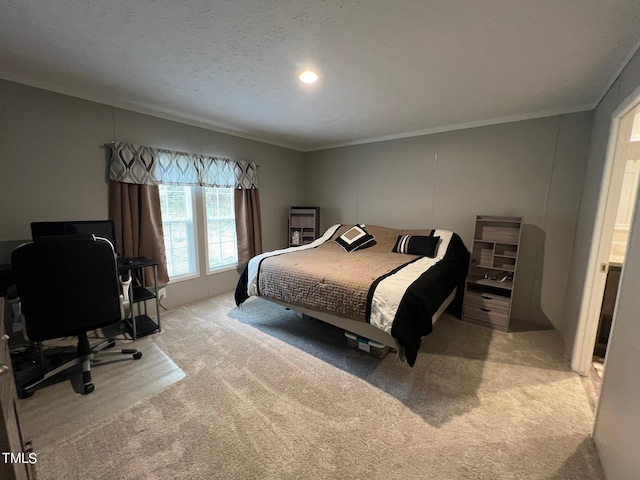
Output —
<point x="200" y="237"/>
<point x="196" y="238"/>
<point x="222" y="268"/>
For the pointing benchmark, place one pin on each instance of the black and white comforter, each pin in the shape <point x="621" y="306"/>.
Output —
<point x="395" y="292"/>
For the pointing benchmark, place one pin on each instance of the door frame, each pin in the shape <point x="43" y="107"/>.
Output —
<point x="595" y="279"/>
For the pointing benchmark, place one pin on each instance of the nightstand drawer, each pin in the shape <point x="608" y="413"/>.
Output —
<point x="488" y="301"/>
<point x="494" y="317"/>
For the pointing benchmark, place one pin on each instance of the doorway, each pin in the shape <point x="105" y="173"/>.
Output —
<point x="613" y="222"/>
<point x="623" y="218"/>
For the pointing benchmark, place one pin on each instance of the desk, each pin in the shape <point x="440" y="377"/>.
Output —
<point x="141" y="324"/>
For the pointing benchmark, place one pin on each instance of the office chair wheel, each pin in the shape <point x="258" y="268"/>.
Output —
<point x="88" y="388"/>
<point x="25" y="393"/>
<point x="137" y="355"/>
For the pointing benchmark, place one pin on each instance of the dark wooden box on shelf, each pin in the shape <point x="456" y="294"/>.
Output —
<point x="492" y="273"/>
<point x="304" y="225"/>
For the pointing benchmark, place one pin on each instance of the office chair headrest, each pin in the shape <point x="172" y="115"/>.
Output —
<point x="81" y="237"/>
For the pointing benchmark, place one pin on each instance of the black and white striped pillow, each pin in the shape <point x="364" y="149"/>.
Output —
<point x="417" y="245"/>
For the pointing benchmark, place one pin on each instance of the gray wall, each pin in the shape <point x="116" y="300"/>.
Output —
<point x="618" y="416"/>
<point x="533" y="169"/>
<point x="53" y="167"/>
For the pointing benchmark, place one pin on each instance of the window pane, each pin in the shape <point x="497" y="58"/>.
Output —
<point x="221" y="227"/>
<point x="177" y="222"/>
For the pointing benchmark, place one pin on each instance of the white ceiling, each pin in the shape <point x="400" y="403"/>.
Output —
<point x="388" y="68"/>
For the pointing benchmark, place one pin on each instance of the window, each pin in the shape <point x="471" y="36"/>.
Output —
<point x="183" y="216"/>
<point x="176" y="205"/>
<point x="222" y="245"/>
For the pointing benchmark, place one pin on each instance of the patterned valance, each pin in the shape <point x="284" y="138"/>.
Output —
<point x="153" y="166"/>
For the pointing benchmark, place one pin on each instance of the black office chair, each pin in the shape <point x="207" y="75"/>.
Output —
<point x="67" y="286"/>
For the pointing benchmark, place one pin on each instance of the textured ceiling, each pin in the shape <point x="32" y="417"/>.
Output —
<point x="387" y="68"/>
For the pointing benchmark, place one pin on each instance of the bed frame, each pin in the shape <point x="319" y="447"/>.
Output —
<point x="363" y="329"/>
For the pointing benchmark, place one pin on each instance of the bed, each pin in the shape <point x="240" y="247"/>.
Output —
<point x="391" y="289"/>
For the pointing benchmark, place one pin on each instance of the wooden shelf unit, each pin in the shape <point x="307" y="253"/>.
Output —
<point x="492" y="273"/>
<point x="305" y="221"/>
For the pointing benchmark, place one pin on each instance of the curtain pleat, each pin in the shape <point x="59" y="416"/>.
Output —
<point x="248" y="224"/>
<point x="135" y="211"/>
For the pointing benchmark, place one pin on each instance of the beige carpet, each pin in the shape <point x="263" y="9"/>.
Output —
<point x="269" y="395"/>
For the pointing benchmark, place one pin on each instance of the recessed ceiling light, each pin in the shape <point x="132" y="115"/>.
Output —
<point x="308" y="76"/>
